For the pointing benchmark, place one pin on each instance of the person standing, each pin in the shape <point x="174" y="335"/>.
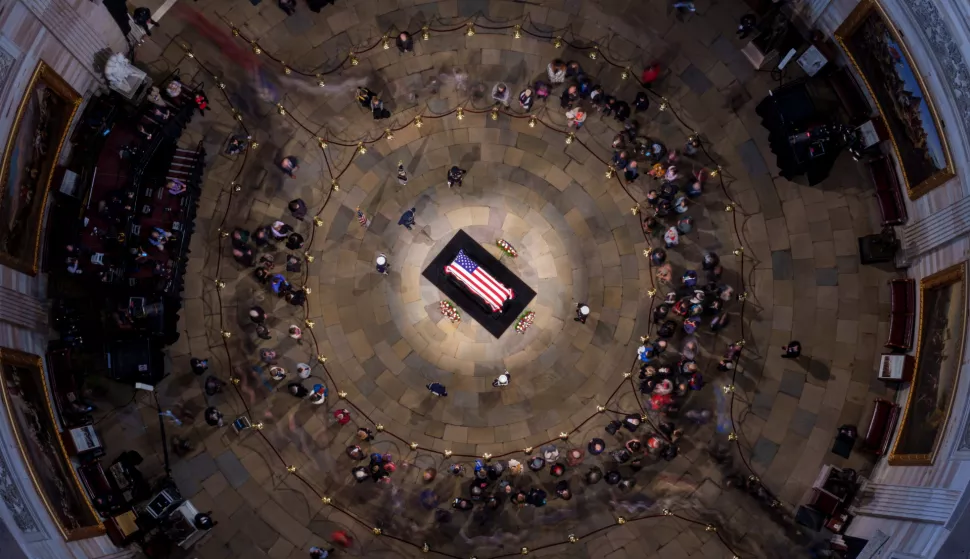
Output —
<point x="502" y="380"/>
<point x="683" y="7"/>
<point x="576" y="117"/>
<point x="262" y="332"/>
<point x="199" y="366"/>
<point x="257" y="315"/>
<point x="569" y="97"/>
<point x="526" y="99"/>
<point x="792" y="350"/>
<point x="267" y="356"/>
<point x="407" y="219"/>
<point x="297" y="208"/>
<point x="298" y="390"/>
<point x="296" y="333"/>
<point x="437" y="389"/>
<point x="557" y="72"/>
<point x="405" y="43"/>
<point x="402" y="175"/>
<point x="296" y="297"/>
<point x="650" y="74"/>
<point x="641" y="102"/>
<point x="320" y="553"/>
<point x="143" y="17"/>
<point x="213" y="417"/>
<point x="289" y="165"/>
<point x="631" y="173"/>
<point x="382" y="264"/>
<point x="622" y="111"/>
<point x="378" y="109"/>
<point x="501" y="94"/>
<point x="582" y="312"/>
<point x="294" y="241"/>
<point x="455" y="176"/>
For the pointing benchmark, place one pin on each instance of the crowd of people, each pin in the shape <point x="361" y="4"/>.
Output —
<point x="666" y="375"/>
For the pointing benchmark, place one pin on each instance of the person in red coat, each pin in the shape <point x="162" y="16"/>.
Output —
<point x="650" y="74"/>
<point x="341" y="538"/>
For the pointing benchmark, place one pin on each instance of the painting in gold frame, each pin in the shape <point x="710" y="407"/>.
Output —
<point x="34" y="144"/>
<point x="939" y="355"/>
<point x="23" y="386"/>
<point x="881" y="58"/>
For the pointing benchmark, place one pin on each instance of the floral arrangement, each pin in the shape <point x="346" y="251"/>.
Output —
<point x="450" y="311"/>
<point x="525" y="321"/>
<point x="506" y="248"/>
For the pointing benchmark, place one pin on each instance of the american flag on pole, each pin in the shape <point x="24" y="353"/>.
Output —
<point x="465" y="270"/>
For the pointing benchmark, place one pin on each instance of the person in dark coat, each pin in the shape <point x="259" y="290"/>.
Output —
<point x="294" y="241"/>
<point x="622" y="111"/>
<point x="213" y="417"/>
<point x="455" y="176"/>
<point x="297" y="208"/>
<point x="573" y="69"/>
<point x="407" y="219"/>
<point x="142" y="17"/>
<point x="288" y="6"/>
<point x="289" y="165"/>
<point x="378" y="109"/>
<point x="569" y="96"/>
<point x="364" y="96"/>
<point x="437" y="389"/>
<point x="317" y="5"/>
<point x="199" y="366"/>
<point x="243" y="255"/>
<point x="298" y="390"/>
<point x="792" y="350"/>
<point x="631" y="173"/>
<point x="641" y="103"/>
<point x="404" y="42"/>
<point x="296" y="297"/>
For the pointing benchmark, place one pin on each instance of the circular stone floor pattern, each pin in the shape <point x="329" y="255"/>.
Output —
<point x="577" y="241"/>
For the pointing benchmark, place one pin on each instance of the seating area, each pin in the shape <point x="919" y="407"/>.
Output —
<point x="889" y="197"/>
<point x="902" y="314"/>
<point x="882" y="423"/>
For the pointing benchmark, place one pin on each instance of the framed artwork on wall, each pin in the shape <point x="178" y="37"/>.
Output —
<point x="33" y="146"/>
<point x="939" y="355"/>
<point x="881" y="58"/>
<point x="23" y="386"/>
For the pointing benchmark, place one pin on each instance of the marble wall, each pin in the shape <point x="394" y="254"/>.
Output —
<point x="73" y="37"/>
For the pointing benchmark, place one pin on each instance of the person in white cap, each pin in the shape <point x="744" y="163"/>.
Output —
<point x="502" y="380"/>
<point x="277" y="373"/>
<point x="382" y="264"/>
<point x="582" y="313"/>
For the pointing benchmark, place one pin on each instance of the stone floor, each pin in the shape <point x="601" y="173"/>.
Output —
<point x="578" y="241"/>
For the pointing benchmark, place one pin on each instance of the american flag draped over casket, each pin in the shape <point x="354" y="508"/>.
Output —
<point x="478" y="281"/>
